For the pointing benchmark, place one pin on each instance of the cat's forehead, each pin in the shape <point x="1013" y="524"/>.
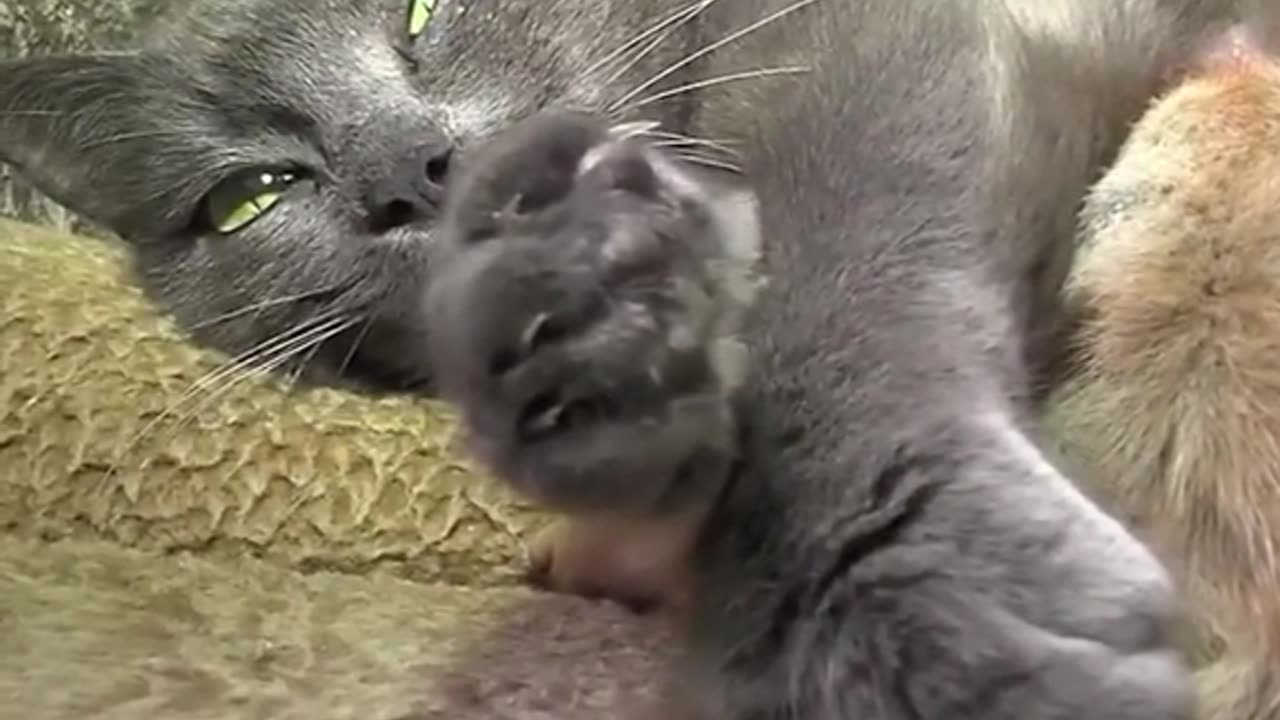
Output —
<point x="261" y="31"/>
<point x="274" y="22"/>
<point x="268" y="37"/>
<point x="339" y="54"/>
<point x="339" y="82"/>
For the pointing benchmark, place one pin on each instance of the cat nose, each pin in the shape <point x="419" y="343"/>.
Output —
<point x="413" y="191"/>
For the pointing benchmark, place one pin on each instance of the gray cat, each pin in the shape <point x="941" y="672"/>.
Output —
<point x="516" y="203"/>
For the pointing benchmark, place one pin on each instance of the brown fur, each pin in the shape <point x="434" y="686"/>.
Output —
<point x="1173" y="397"/>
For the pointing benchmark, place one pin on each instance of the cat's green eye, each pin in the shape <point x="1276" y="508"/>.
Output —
<point x="420" y="12"/>
<point x="243" y="198"/>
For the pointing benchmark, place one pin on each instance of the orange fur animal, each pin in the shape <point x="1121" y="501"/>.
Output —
<point x="1172" y="397"/>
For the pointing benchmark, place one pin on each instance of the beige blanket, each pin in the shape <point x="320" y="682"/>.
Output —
<point x="176" y="546"/>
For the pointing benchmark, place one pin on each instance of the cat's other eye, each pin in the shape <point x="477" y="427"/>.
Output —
<point x="420" y="12"/>
<point x="244" y="197"/>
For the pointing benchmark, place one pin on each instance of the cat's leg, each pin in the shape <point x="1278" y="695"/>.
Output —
<point x="577" y="325"/>
<point x="584" y="314"/>
<point x="979" y="585"/>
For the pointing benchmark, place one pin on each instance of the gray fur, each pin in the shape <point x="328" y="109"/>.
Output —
<point x="134" y="141"/>
<point x="886" y="541"/>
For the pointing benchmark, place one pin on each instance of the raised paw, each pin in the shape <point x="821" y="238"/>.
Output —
<point x="583" y="307"/>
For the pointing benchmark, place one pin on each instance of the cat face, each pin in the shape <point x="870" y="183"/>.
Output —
<point x="278" y="165"/>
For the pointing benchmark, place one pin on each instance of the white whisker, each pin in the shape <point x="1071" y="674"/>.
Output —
<point x="622" y="101"/>
<point x="697" y="10"/>
<point x="316" y="339"/>
<point x="260" y="306"/>
<point x="697" y="144"/>
<point x="685" y="13"/>
<point x="637" y="58"/>
<point x="718" y="143"/>
<point x="626" y="131"/>
<point x="710" y="162"/>
<point x="711" y="82"/>
<point x="301" y="368"/>
<point x="355" y="346"/>
<point x="275" y="346"/>
<point x="266" y="347"/>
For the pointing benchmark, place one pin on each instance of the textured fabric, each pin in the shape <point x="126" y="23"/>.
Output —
<point x="253" y="551"/>
<point x="101" y="436"/>
<point x="92" y="631"/>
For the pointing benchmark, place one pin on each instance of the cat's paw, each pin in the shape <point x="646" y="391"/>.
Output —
<point x="583" y="307"/>
<point x="642" y="563"/>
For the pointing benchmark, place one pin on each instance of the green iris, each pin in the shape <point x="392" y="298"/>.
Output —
<point x="420" y="12"/>
<point x="244" y="197"/>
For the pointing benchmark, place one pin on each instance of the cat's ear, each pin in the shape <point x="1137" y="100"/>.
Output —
<point x="65" y="126"/>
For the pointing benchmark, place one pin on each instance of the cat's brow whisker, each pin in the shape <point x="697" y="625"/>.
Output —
<point x="181" y="188"/>
<point x="268" y="347"/>
<point x="713" y="81"/>
<point x="706" y="50"/>
<point x="191" y="186"/>
<point x="33" y="113"/>
<point x="140" y="135"/>
<point x="686" y="13"/>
